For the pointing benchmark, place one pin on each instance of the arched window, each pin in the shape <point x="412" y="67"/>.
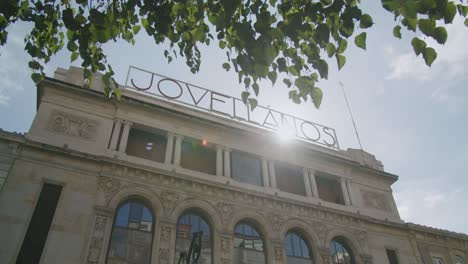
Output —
<point x="188" y="224"/>
<point x="297" y="249"/>
<point x="132" y="234"/>
<point x="340" y="252"/>
<point x="248" y="244"/>
<point x="459" y="260"/>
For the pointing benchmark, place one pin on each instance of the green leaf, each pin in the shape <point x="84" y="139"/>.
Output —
<point x="317" y="95"/>
<point x="440" y="34"/>
<point x="462" y="10"/>
<point x="256" y="88"/>
<point x="427" y="26"/>
<point x="304" y="83"/>
<point x="449" y="12"/>
<point x="360" y="40"/>
<point x="428" y="4"/>
<point x="397" y="31"/>
<point x="253" y="103"/>
<point x="429" y="55"/>
<point x="34" y="65"/>
<point x="418" y="45"/>
<point x="331" y="49"/>
<point x="74" y="56"/>
<point x="342" y="46"/>
<point x="466" y="22"/>
<point x="323" y="33"/>
<point x="287" y="82"/>
<point x="247" y="82"/>
<point x="410" y="23"/>
<point x="245" y="95"/>
<point x="136" y="29"/>
<point x="272" y="76"/>
<point x="226" y="66"/>
<point x="222" y="44"/>
<point x="323" y="69"/>
<point x="37" y="77"/>
<point x="366" y="21"/>
<point x="341" y="60"/>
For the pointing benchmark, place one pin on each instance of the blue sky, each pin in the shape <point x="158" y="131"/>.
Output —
<point x="413" y="118"/>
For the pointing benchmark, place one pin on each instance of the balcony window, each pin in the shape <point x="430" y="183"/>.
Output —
<point x="198" y="155"/>
<point x="147" y="145"/>
<point x="289" y="178"/>
<point x="246" y="168"/>
<point x="329" y="189"/>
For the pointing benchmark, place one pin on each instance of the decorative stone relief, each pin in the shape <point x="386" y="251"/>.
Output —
<point x="225" y="210"/>
<point x="97" y="239"/>
<point x="72" y="125"/>
<point x="109" y="185"/>
<point x="225" y="246"/>
<point x="375" y="200"/>
<point x="276" y="221"/>
<point x="320" y="229"/>
<point x="169" y="199"/>
<point x="366" y="259"/>
<point x="325" y="255"/>
<point x="166" y="233"/>
<point x="362" y="237"/>
<point x="278" y="251"/>
<point x="164" y="255"/>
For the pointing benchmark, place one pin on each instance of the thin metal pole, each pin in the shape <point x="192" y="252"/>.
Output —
<point x="351" y="114"/>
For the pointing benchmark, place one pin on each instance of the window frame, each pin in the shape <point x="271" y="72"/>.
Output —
<point x="306" y="242"/>
<point x="345" y="245"/>
<point x="253" y="238"/>
<point x="250" y="155"/>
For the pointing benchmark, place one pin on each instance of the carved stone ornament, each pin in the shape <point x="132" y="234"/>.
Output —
<point x="276" y="221"/>
<point x="225" y="246"/>
<point x="366" y="259"/>
<point x="225" y="211"/>
<point x="72" y="125"/>
<point x="109" y="185"/>
<point x="166" y="232"/>
<point x="169" y="199"/>
<point x="163" y="255"/>
<point x="375" y="200"/>
<point x="320" y="229"/>
<point x="97" y="239"/>
<point x="325" y="255"/>
<point x="279" y="251"/>
<point x="362" y="237"/>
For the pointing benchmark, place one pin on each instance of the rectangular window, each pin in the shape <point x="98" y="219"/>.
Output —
<point x="289" y="178"/>
<point x="246" y="168"/>
<point x="198" y="155"/>
<point x="392" y="257"/>
<point x="147" y="145"/>
<point x="329" y="189"/>
<point x="38" y="229"/>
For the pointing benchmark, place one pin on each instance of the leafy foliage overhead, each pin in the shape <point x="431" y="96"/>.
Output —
<point x="294" y="39"/>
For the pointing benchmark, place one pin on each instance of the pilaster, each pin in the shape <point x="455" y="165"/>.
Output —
<point x="115" y="134"/>
<point x="344" y="191"/>
<point x="227" y="162"/>
<point x="308" y="190"/>
<point x="178" y="149"/>
<point x="124" y="138"/>
<point x="169" y="148"/>
<point x="219" y="160"/>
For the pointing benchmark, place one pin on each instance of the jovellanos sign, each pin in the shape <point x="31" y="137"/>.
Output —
<point x="160" y="86"/>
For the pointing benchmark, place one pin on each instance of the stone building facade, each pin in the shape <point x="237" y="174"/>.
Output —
<point x="341" y="208"/>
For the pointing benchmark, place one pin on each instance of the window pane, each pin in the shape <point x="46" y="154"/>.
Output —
<point x="135" y="212"/>
<point x="246" y="168"/>
<point x="339" y="253"/>
<point x="187" y="225"/>
<point x="289" y="178"/>
<point x="197" y="157"/>
<point x="122" y="215"/>
<point x="459" y="260"/>
<point x="132" y="243"/>
<point x="296" y="245"/>
<point x="289" y="245"/>
<point x="147" y="145"/>
<point x="392" y="257"/>
<point x="304" y="249"/>
<point x="329" y="190"/>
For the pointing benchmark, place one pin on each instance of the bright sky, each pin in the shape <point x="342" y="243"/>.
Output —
<point x="413" y="118"/>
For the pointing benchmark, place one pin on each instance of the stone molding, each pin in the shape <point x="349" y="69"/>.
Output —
<point x="375" y="200"/>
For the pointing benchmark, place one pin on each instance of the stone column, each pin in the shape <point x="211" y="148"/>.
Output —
<point x="178" y="149"/>
<point x="227" y="162"/>
<point x="350" y="192"/>
<point x="344" y="191"/>
<point x="271" y="172"/>
<point x="305" y="173"/>
<point x="313" y="183"/>
<point x="266" y="180"/>
<point x="278" y="252"/>
<point x="115" y="134"/>
<point x="219" y="160"/>
<point x="124" y="138"/>
<point x="325" y="256"/>
<point x="169" y="148"/>
<point x="226" y="247"/>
